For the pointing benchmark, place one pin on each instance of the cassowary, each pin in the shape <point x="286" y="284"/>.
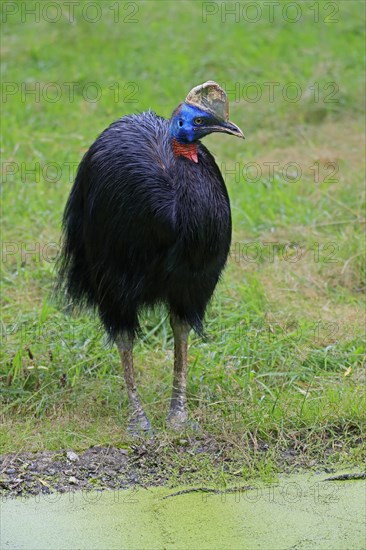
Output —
<point x="148" y="221"/>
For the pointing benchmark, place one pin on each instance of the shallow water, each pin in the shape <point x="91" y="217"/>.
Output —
<point x="299" y="511"/>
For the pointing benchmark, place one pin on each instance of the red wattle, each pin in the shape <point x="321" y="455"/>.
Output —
<point x="188" y="150"/>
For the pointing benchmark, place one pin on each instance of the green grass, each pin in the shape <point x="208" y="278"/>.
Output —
<point x="283" y="362"/>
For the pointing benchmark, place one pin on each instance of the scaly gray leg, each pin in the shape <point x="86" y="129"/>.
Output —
<point x="138" y="423"/>
<point x="178" y="414"/>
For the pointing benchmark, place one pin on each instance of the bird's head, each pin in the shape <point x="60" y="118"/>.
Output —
<point x="205" y="110"/>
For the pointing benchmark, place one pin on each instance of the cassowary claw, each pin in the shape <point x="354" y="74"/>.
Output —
<point x="177" y="425"/>
<point x="139" y="425"/>
<point x="179" y="422"/>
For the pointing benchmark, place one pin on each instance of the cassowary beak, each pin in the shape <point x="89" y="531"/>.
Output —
<point x="228" y="128"/>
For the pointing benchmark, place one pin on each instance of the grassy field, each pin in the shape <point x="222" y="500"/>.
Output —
<point x="283" y="367"/>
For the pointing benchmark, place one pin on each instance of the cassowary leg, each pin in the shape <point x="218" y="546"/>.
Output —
<point x="178" y="414"/>
<point x="138" y="423"/>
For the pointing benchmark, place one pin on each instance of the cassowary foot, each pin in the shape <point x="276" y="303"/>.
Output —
<point x="178" y="420"/>
<point x="139" y="425"/>
<point x="178" y="425"/>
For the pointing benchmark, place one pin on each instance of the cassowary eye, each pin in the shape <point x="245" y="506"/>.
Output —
<point x="198" y="121"/>
<point x="180" y="123"/>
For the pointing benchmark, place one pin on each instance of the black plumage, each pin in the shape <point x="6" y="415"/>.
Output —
<point x="148" y="221"/>
<point x="143" y="226"/>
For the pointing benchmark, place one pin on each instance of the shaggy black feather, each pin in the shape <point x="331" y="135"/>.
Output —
<point x="142" y="226"/>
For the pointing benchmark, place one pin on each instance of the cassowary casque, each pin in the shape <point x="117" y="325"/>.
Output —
<point x="148" y="221"/>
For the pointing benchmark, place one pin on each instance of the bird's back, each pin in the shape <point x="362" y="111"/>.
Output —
<point x="143" y="225"/>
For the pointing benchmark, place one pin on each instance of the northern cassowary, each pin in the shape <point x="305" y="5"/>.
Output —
<point x="148" y="221"/>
